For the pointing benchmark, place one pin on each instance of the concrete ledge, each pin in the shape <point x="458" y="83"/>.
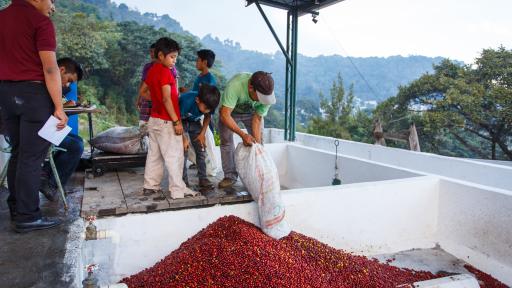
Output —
<point x="456" y="281"/>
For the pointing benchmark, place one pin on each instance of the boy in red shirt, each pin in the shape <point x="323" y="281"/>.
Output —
<point x="166" y="142"/>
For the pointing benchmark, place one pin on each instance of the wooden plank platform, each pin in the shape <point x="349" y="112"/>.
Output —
<point x="103" y="196"/>
<point x="131" y="184"/>
<point x="119" y="192"/>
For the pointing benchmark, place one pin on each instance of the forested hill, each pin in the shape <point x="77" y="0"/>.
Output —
<point x="374" y="78"/>
<point x="111" y="11"/>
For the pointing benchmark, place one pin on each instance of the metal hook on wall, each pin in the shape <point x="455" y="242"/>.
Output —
<point x="336" y="180"/>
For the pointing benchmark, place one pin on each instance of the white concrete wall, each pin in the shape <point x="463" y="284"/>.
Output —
<point x="471" y="221"/>
<point x="495" y="162"/>
<point x="475" y="224"/>
<point x="499" y="176"/>
<point x="304" y="167"/>
<point x="368" y="218"/>
<point x="309" y="167"/>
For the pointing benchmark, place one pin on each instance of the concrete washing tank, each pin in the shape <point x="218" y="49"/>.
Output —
<point x="380" y="209"/>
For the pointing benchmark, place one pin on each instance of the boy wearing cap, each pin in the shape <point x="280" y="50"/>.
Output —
<point x="246" y="99"/>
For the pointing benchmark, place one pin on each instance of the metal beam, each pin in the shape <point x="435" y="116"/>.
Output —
<point x="273" y="31"/>
<point x="303" y="7"/>
<point x="310" y="8"/>
<point x="271" y="3"/>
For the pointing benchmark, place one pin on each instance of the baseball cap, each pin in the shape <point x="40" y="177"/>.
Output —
<point x="263" y="83"/>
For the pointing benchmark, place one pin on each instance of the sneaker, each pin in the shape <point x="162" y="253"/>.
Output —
<point x="184" y="193"/>
<point x="205" y="183"/>
<point x="226" y="183"/>
<point x="149" y="192"/>
<point x="47" y="190"/>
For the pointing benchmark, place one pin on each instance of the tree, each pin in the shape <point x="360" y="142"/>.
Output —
<point x="471" y="105"/>
<point x="339" y="118"/>
<point x="4" y="3"/>
<point x="85" y="38"/>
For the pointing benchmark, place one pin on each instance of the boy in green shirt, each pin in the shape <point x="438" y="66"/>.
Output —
<point x="246" y="99"/>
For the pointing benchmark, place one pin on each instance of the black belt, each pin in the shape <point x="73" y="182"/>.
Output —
<point x="20" y="81"/>
<point x="191" y="121"/>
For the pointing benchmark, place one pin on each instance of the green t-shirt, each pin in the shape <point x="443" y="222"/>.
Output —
<point x="236" y="96"/>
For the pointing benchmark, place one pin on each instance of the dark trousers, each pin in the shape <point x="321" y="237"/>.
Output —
<point x="66" y="161"/>
<point x="25" y="108"/>
<point x="194" y="128"/>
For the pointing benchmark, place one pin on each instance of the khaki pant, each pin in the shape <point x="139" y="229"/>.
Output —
<point x="165" y="148"/>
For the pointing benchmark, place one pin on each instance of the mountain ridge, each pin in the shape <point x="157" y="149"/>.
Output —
<point x="374" y="78"/>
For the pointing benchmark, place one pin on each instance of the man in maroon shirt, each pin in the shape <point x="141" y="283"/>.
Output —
<point x="30" y="91"/>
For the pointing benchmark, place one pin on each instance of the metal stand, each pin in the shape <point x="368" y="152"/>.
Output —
<point x="336" y="180"/>
<point x="3" y="174"/>
<point x="56" y="175"/>
<point x="102" y="162"/>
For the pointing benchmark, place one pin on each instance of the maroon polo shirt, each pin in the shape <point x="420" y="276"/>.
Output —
<point x="24" y="31"/>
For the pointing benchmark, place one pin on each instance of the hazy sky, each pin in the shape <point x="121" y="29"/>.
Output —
<point x="450" y="28"/>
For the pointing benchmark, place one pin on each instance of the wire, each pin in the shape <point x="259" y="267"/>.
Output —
<point x="349" y="58"/>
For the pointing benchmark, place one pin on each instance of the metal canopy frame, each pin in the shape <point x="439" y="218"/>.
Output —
<point x="295" y="8"/>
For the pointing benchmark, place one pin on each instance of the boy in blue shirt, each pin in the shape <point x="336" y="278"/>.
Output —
<point x="193" y="105"/>
<point x="204" y="61"/>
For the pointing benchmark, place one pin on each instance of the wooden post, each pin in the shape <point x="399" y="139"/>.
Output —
<point x="414" y="142"/>
<point x="410" y="136"/>
<point x="378" y="133"/>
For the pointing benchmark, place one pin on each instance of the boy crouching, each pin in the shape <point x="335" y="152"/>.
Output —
<point x="193" y="105"/>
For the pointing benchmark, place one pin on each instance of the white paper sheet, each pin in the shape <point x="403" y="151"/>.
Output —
<point x="49" y="131"/>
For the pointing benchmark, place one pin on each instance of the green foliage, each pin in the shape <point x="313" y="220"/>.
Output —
<point x="4" y="3"/>
<point x="274" y="119"/>
<point x="466" y="105"/>
<point x="113" y="55"/>
<point x="85" y="38"/>
<point x="111" y="11"/>
<point x="76" y="6"/>
<point x="216" y="137"/>
<point x="339" y="119"/>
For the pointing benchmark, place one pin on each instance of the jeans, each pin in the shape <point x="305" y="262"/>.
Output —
<point x="25" y="107"/>
<point x="194" y="128"/>
<point x="66" y="161"/>
<point x="227" y="146"/>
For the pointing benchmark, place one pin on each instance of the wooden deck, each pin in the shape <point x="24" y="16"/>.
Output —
<point x="120" y="192"/>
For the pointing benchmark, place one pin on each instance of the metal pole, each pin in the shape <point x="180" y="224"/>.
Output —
<point x="91" y="132"/>
<point x="56" y="176"/>
<point x="295" y="26"/>
<point x="287" y="80"/>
